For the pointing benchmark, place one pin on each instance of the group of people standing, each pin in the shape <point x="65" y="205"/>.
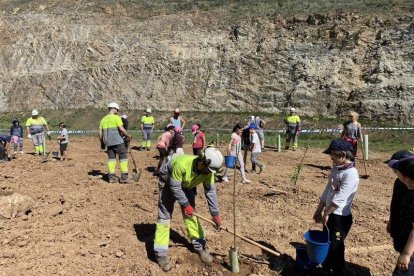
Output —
<point x="36" y="129"/>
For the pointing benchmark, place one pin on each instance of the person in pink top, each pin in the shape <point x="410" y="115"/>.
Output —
<point x="164" y="144"/>
<point x="199" y="139"/>
<point x="234" y="149"/>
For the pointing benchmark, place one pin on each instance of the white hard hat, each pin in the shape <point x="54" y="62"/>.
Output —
<point x="35" y="112"/>
<point x="113" y="105"/>
<point x="214" y="159"/>
<point x="148" y="110"/>
<point x="252" y="117"/>
<point x="292" y="109"/>
<point x="177" y="110"/>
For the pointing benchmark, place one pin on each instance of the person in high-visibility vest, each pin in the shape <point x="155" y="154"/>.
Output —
<point x="110" y="130"/>
<point x="292" y="129"/>
<point x="35" y="127"/>
<point x="177" y="179"/>
<point x="147" y="126"/>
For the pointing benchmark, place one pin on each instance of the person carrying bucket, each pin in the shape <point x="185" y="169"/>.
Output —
<point x="404" y="168"/>
<point x="234" y="149"/>
<point x="336" y="201"/>
<point x="147" y="126"/>
<point x="177" y="178"/>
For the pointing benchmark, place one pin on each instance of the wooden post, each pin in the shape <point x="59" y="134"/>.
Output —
<point x="279" y="143"/>
<point x="365" y="147"/>
<point x="217" y="139"/>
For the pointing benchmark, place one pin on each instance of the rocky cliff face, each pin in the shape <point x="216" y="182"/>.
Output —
<point x="80" y="54"/>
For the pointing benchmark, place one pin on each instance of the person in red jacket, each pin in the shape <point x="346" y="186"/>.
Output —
<point x="199" y="139"/>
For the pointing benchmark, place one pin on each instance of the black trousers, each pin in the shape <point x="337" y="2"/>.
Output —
<point x="339" y="227"/>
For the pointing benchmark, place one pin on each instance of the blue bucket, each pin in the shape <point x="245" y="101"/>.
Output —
<point x="230" y="161"/>
<point x="317" y="245"/>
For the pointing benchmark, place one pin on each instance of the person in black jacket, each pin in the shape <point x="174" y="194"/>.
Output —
<point x="16" y="133"/>
<point x="398" y="193"/>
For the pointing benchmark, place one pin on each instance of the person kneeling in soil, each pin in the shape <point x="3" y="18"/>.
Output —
<point x="177" y="179"/>
<point x="404" y="168"/>
<point x="336" y="201"/>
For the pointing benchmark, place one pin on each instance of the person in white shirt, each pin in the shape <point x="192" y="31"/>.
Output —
<point x="336" y="202"/>
<point x="256" y="149"/>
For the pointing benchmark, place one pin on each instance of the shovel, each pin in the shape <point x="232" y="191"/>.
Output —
<point x="135" y="174"/>
<point x="45" y="155"/>
<point x="268" y="250"/>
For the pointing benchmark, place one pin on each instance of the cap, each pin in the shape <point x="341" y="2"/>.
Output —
<point x="169" y="126"/>
<point x="124" y="116"/>
<point x="399" y="155"/>
<point x="252" y="126"/>
<point x="292" y="109"/>
<point x="148" y="110"/>
<point x="194" y="128"/>
<point x="395" y="164"/>
<point x="338" y="145"/>
<point x="35" y="112"/>
<point x="177" y="110"/>
<point x="251" y="118"/>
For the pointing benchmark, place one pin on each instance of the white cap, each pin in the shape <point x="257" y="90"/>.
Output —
<point x="35" y="112"/>
<point x="252" y="118"/>
<point x="148" y="110"/>
<point x="214" y="158"/>
<point x="113" y="105"/>
<point x="124" y="116"/>
<point x="292" y="109"/>
<point x="177" y="110"/>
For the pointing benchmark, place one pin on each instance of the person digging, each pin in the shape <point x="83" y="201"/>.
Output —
<point x="177" y="178"/>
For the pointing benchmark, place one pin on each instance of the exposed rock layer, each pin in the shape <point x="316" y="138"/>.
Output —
<point x="67" y="57"/>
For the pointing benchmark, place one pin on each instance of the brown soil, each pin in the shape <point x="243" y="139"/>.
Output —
<point x="83" y="225"/>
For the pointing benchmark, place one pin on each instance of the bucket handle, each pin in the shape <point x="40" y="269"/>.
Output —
<point x="324" y="226"/>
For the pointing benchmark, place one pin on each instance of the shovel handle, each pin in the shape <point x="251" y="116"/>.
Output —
<point x="133" y="159"/>
<point x="240" y="236"/>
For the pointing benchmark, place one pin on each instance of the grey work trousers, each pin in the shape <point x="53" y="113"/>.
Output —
<point x="254" y="160"/>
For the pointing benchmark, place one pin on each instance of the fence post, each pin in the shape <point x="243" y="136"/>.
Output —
<point x="366" y="147"/>
<point x="217" y="139"/>
<point x="279" y="147"/>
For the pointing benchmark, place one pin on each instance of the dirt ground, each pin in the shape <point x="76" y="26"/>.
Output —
<point x="83" y="225"/>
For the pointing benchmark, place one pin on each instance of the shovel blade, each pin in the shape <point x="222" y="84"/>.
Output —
<point x="136" y="175"/>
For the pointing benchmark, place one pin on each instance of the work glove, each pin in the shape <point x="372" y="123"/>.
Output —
<point x="188" y="210"/>
<point x="29" y="136"/>
<point x="48" y="133"/>
<point x="102" y="145"/>
<point x="217" y="221"/>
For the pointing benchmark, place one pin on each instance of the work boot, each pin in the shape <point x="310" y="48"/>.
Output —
<point x="261" y="168"/>
<point x="205" y="257"/>
<point x="164" y="263"/>
<point x="225" y="179"/>
<point x="124" y="178"/>
<point x="112" y="178"/>
<point x="148" y="149"/>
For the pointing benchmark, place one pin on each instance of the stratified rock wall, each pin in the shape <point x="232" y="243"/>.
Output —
<point x="59" y="57"/>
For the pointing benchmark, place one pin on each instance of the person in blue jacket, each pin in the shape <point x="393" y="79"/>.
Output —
<point x="16" y="133"/>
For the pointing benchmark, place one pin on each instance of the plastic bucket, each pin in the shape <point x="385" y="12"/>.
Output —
<point x="317" y="245"/>
<point x="230" y="161"/>
<point x="55" y="153"/>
